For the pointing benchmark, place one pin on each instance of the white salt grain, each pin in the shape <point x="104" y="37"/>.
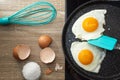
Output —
<point x="108" y="29"/>
<point x="58" y="67"/>
<point x="31" y="71"/>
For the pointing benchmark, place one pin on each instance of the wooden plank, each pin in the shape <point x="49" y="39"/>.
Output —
<point x="11" y="35"/>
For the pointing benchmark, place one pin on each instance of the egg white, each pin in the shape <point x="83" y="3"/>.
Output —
<point x="98" y="55"/>
<point x="80" y="33"/>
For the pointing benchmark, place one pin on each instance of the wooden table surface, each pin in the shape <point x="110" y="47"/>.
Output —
<point x="12" y="35"/>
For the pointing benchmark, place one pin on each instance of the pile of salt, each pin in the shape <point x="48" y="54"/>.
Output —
<point x="31" y="71"/>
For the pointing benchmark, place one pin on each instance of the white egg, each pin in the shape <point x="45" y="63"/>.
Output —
<point x="81" y="33"/>
<point x="98" y="56"/>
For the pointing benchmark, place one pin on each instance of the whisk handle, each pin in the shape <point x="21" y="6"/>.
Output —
<point x="4" y="21"/>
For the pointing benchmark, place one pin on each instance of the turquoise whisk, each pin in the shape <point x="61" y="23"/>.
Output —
<point x="38" y="13"/>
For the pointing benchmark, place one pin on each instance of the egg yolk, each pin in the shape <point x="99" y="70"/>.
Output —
<point x="90" y="24"/>
<point x="85" y="56"/>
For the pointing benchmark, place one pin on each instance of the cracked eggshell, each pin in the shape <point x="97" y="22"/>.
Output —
<point x="47" y="55"/>
<point x="44" y="41"/>
<point x="21" y="52"/>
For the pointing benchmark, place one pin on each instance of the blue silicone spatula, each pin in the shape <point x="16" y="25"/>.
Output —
<point x="105" y="42"/>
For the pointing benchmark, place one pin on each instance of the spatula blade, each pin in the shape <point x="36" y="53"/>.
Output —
<point x="105" y="42"/>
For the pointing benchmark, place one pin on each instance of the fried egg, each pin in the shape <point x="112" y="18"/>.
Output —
<point x="87" y="56"/>
<point x="90" y="25"/>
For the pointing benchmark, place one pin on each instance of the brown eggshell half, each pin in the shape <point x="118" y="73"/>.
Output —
<point x="44" y="41"/>
<point x="47" y="55"/>
<point x="21" y="52"/>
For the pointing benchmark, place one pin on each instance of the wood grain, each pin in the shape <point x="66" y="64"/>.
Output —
<point x="12" y="35"/>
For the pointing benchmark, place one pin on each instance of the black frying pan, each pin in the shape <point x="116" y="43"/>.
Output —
<point x="110" y="67"/>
